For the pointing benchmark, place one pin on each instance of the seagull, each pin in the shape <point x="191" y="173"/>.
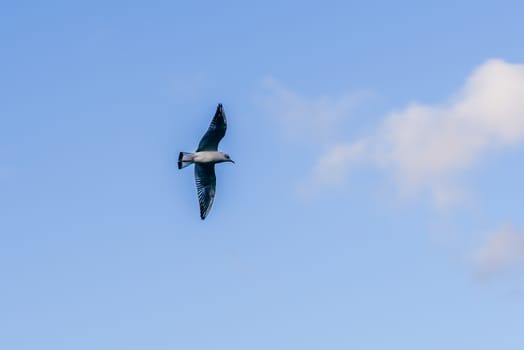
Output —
<point x="205" y="158"/>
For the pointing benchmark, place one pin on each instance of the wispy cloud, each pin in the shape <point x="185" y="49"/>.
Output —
<point x="313" y="120"/>
<point x="427" y="146"/>
<point x="188" y="87"/>
<point x="501" y="251"/>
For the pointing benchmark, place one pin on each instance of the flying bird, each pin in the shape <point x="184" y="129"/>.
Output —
<point x="205" y="158"/>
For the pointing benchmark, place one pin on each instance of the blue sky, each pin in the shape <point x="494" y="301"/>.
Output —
<point x="375" y="201"/>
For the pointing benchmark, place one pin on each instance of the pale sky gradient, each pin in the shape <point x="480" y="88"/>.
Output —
<point x="375" y="203"/>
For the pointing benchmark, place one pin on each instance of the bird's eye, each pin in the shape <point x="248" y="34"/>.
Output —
<point x="227" y="156"/>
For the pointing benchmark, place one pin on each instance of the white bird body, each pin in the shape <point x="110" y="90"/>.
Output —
<point x="204" y="157"/>
<point x="209" y="157"/>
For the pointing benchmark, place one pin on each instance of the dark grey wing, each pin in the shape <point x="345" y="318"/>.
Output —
<point x="217" y="130"/>
<point x="206" y="183"/>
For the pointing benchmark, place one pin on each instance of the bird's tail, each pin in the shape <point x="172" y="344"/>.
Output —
<point x="184" y="159"/>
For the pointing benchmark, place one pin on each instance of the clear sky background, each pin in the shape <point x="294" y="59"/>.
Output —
<point x="375" y="203"/>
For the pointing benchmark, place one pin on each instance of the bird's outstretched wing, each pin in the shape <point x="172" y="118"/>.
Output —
<point x="217" y="130"/>
<point x="205" y="180"/>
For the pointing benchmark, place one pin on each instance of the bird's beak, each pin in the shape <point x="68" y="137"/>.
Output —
<point x="232" y="161"/>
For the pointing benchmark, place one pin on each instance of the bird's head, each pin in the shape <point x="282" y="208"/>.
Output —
<point x="227" y="158"/>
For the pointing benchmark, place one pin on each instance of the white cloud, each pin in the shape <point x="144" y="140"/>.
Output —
<point x="502" y="250"/>
<point x="427" y="146"/>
